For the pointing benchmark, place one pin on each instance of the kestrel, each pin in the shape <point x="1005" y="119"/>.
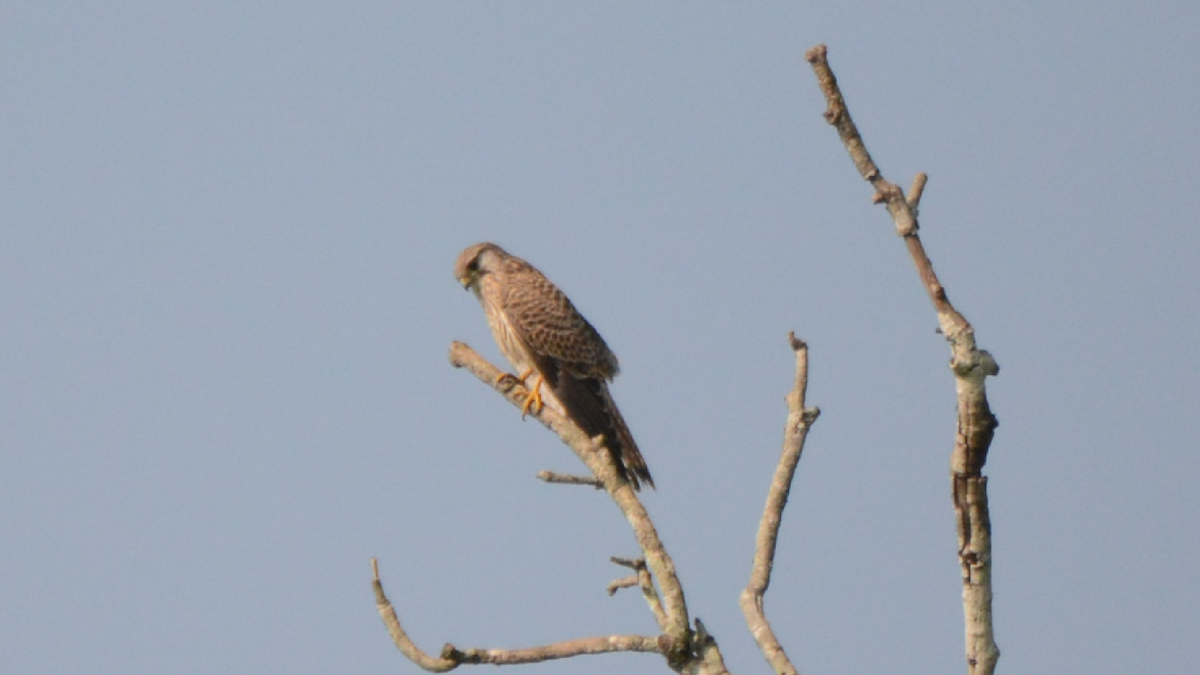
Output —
<point x="540" y="332"/>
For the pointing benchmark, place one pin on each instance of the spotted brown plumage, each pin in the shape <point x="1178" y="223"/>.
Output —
<point x="541" y="333"/>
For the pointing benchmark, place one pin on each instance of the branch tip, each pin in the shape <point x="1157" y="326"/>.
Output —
<point x="811" y="415"/>
<point x="796" y="343"/>
<point x="631" y="563"/>
<point x="916" y="190"/>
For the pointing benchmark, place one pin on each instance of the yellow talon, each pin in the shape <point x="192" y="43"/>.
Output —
<point x="534" y="400"/>
<point x="509" y="380"/>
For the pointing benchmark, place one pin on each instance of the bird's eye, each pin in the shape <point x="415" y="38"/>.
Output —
<point x="473" y="266"/>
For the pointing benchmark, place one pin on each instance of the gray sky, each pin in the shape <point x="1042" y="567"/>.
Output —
<point x="226" y="301"/>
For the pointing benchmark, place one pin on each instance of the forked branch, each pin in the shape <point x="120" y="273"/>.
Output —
<point x="970" y="366"/>
<point x="642" y="579"/>
<point x="670" y="612"/>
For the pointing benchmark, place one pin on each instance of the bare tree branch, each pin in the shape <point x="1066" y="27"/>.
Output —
<point x="452" y="657"/>
<point x="562" y="650"/>
<point x="406" y="646"/>
<point x="970" y="365"/>
<point x="799" y="421"/>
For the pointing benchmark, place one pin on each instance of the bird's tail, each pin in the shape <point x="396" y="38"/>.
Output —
<point x="588" y="402"/>
<point x="630" y="463"/>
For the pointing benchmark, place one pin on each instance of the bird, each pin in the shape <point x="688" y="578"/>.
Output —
<point x="542" y="335"/>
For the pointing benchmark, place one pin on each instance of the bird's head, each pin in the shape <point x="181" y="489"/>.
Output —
<point x="476" y="261"/>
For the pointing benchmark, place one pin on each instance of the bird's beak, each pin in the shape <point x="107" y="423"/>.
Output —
<point x="465" y="280"/>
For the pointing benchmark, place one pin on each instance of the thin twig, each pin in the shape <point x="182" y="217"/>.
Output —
<point x="799" y="421"/>
<point x="568" y="479"/>
<point x="645" y="581"/>
<point x="970" y="365"/>
<point x="624" y="582"/>
<point x="650" y="594"/>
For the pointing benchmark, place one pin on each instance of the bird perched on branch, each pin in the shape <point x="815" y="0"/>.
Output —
<point x="542" y="335"/>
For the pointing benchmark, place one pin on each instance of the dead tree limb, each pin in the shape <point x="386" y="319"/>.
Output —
<point x="452" y="657"/>
<point x="685" y="651"/>
<point x="799" y="421"/>
<point x="970" y="366"/>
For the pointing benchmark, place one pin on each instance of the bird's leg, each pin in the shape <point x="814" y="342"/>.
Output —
<point x="534" y="400"/>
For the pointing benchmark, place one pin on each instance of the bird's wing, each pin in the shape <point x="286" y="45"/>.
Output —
<point x="551" y="328"/>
